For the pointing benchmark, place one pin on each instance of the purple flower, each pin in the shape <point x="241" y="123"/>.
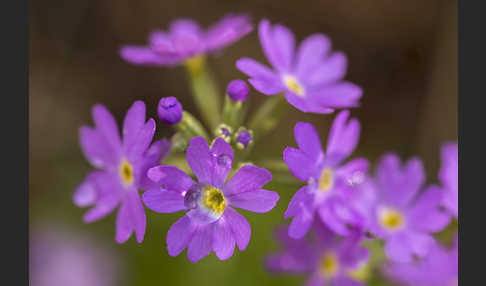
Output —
<point x="310" y="77"/>
<point x="169" y="110"/>
<point x="448" y="175"/>
<point x="121" y="168"/>
<point x="185" y="39"/>
<point x="401" y="215"/>
<point x="438" y="268"/>
<point x="237" y="90"/>
<point x="330" y="182"/>
<point x="210" y="222"/>
<point x="243" y="139"/>
<point x="327" y="258"/>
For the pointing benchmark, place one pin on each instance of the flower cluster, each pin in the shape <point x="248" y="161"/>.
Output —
<point x="340" y="214"/>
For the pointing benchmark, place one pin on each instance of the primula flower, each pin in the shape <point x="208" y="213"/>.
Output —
<point x="210" y="222"/>
<point x="402" y="216"/>
<point x="448" y="175"/>
<point x="438" y="268"/>
<point x="326" y="258"/>
<point x="186" y="40"/>
<point x="121" y="168"/>
<point x="311" y="78"/>
<point x="330" y="182"/>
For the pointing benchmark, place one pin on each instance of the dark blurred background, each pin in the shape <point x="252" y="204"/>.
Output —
<point x="403" y="54"/>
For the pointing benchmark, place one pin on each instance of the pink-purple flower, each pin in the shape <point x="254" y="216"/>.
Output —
<point x="327" y="258"/>
<point x="185" y="39"/>
<point x="438" y="268"/>
<point x="121" y="167"/>
<point x="330" y="182"/>
<point x="311" y="77"/>
<point x="211" y="223"/>
<point x="404" y="214"/>
<point x="448" y="175"/>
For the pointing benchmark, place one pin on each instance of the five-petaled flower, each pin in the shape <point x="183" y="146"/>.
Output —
<point x="122" y="168"/>
<point x="310" y="78"/>
<point x="185" y="41"/>
<point x="210" y="222"/>
<point x="403" y="215"/>
<point x="327" y="258"/>
<point x="330" y="182"/>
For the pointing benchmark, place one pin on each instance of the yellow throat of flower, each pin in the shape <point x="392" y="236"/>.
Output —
<point x="329" y="265"/>
<point x="326" y="181"/>
<point x="292" y="84"/>
<point x="391" y="219"/>
<point x="126" y="173"/>
<point x="214" y="200"/>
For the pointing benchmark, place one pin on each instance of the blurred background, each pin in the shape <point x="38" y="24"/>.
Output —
<point x="402" y="53"/>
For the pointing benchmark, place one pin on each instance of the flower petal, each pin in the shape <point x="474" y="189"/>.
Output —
<point x="425" y="215"/>
<point x="86" y="194"/>
<point x="300" y="165"/>
<point x="201" y="243"/>
<point x="249" y="178"/>
<point x="200" y="160"/>
<point x="301" y="199"/>
<point x="256" y="70"/>
<point x="131" y="217"/>
<point x="398" y="249"/>
<point x="223" y="240"/>
<point x="328" y="71"/>
<point x="344" y="136"/>
<point x="152" y="157"/>
<point x="308" y="140"/>
<point x="301" y="222"/>
<point x="106" y="125"/>
<point x="179" y="235"/>
<point x="133" y="122"/>
<point x="170" y="178"/>
<point x="267" y="87"/>
<point x="307" y="104"/>
<point x="109" y="193"/>
<point x="96" y="149"/>
<point x="240" y="227"/>
<point x="259" y="201"/>
<point x="163" y="201"/>
<point x="346" y="281"/>
<point x="139" y="55"/>
<point x="139" y="145"/>
<point x="285" y="41"/>
<point x="223" y="161"/>
<point x="340" y="95"/>
<point x="311" y="51"/>
<point x="277" y="44"/>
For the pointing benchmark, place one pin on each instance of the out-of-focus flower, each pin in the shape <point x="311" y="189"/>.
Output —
<point x="210" y="223"/>
<point x="58" y="257"/>
<point x="448" y="175"/>
<point x="327" y="258"/>
<point x="169" y="110"/>
<point x="438" y="268"/>
<point x="330" y="182"/>
<point x="186" y="40"/>
<point x="402" y="216"/>
<point x="311" y="78"/>
<point x="121" y="168"/>
<point x="237" y="90"/>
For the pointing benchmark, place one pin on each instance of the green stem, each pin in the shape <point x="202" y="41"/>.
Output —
<point x="205" y="91"/>
<point x="267" y="116"/>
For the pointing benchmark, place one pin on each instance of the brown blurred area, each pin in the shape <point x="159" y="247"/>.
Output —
<point x="403" y="54"/>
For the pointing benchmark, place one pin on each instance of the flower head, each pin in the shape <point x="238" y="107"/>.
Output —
<point x="448" y="175"/>
<point x="330" y="183"/>
<point x="210" y="222"/>
<point x="310" y="78"/>
<point x="169" y="110"/>
<point x="438" y="268"/>
<point x="185" y="40"/>
<point x="237" y="90"/>
<point x="325" y="257"/>
<point x="121" y="168"/>
<point x="401" y="215"/>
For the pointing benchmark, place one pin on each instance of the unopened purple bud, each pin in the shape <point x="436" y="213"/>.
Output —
<point x="169" y="110"/>
<point x="237" y="90"/>
<point x="243" y="139"/>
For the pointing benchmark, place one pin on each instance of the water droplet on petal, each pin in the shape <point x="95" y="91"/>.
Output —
<point x="224" y="160"/>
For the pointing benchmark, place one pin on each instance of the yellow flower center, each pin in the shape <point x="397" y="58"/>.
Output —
<point x="391" y="219"/>
<point x="329" y="265"/>
<point x="126" y="173"/>
<point x="326" y="181"/>
<point x="292" y="84"/>
<point x="214" y="200"/>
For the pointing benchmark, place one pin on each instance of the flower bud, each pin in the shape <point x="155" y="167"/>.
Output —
<point x="237" y="90"/>
<point x="244" y="138"/>
<point x="169" y="110"/>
